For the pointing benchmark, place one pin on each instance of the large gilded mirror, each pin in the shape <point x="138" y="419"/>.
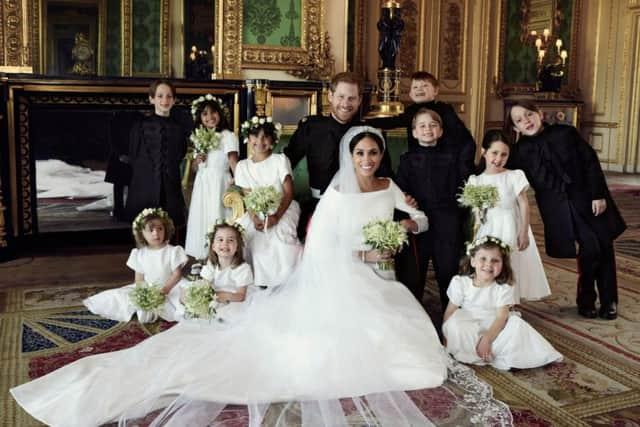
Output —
<point x="522" y="22"/>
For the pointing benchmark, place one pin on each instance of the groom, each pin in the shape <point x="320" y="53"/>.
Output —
<point x="318" y="138"/>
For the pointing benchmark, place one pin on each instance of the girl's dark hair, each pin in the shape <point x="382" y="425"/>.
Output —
<point x="269" y="129"/>
<point x="154" y="87"/>
<point x="359" y="137"/>
<point x="223" y="124"/>
<point x="238" y="257"/>
<point x="169" y="229"/>
<point x="490" y="137"/>
<point x="506" y="275"/>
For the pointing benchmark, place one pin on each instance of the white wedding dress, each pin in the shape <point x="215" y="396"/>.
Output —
<point x="334" y="330"/>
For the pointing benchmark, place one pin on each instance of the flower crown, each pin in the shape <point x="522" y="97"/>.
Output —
<point x="256" y="122"/>
<point x="482" y="240"/>
<point x="220" y="222"/>
<point x="141" y="219"/>
<point x="208" y="97"/>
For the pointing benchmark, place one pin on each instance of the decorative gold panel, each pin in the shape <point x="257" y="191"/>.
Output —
<point x="230" y="50"/>
<point x="452" y="46"/>
<point x="14" y="35"/>
<point x="285" y="57"/>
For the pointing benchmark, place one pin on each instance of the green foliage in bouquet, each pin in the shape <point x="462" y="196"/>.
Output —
<point x="147" y="297"/>
<point x="203" y="140"/>
<point x="263" y="200"/>
<point x="479" y="196"/>
<point x="385" y="235"/>
<point x="200" y="300"/>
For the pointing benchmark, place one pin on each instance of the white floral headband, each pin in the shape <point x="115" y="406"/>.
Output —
<point x="471" y="246"/>
<point x="210" y="98"/>
<point x="223" y="222"/>
<point x="141" y="219"/>
<point x="266" y="123"/>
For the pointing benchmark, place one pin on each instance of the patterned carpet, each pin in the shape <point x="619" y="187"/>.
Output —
<point x="598" y="383"/>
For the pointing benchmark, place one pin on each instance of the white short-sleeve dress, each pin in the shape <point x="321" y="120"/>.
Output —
<point x="518" y="345"/>
<point x="503" y="222"/>
<point x="272" y="253"/>
<point x="157" y="265"/>
<point x="212" y="179"/>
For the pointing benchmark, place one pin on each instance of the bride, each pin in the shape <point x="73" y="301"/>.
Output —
<point x="334" y="330"/>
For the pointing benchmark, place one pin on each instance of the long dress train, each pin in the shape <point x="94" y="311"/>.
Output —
<point x="333" y="330"/>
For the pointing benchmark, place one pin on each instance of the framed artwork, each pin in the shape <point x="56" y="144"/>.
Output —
<point x="517" y="68"/>
<point x="280" y="34"/>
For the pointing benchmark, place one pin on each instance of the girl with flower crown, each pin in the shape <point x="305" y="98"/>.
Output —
<point x="509" y="218"/>
<point x="155" y="262"/>
<point x="227" y="272"/>
<point x="272" y="242"/>
<point x="216" y="154"/>
<point x="478" y="326"/>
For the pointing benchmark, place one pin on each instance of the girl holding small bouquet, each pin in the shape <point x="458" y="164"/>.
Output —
<point x="226" y="271"/>
<point x="478" y="326"/>
<point x="508" y="216"/>
<point x="216" y="154"/>
<point x="272" y="215"/>
<point x="156" y="264"/>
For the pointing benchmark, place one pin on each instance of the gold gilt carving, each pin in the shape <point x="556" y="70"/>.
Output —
<point x="25" y="169"/>
<point x="165" y="48"/>
<point x="409" y="42"/>
<point x="319" y="65"/>
<point x="285" y="57"/>
<point x="451" y="41"/>
<point x="2" y="52"/>
<point x="231" y="47"/>
<point x="126" y="41"/>
<point x="12" y="33"/>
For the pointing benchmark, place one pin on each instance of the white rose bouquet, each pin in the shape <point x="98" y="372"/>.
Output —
<point x="200" y="301"/>
<point x="479" y="198"/>
<point x="147" y="297"/>
<point x="203" y="140"/>
<point x="385" y="235"/>
<point x="263" y="201"/>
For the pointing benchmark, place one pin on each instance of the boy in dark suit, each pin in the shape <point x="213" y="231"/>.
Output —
<point x="574" y="203"/>
<point x="432" y="173"/>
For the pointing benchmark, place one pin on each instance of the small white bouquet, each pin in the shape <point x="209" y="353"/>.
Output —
<point x="385" y="235"/>
<point x="148" y="298"/>
<point x="479" y="198"/>
<point x="203" y="140"/>
<point x="263" y="201"/>
<point x="200" y="301"/>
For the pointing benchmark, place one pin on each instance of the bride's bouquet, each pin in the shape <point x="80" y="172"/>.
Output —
<point x="385" y="235"/>
<point x="200" y="301"/>
<point x="148" y="298"/>
<point x="263" y="201"/>
<point x="479" y="198"/>
<point x="203" y="140"/>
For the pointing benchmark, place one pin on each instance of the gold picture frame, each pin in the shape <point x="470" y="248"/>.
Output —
<point x="285" y="57"/>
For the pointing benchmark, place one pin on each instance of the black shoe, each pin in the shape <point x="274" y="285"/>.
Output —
<point x="588" y="312"/>
<point x="609" y="311"/>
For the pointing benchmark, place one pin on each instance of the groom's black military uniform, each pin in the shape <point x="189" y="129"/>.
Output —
<point x="318" y="138"/>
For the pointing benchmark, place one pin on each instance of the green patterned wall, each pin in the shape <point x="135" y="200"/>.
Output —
<point x="519" y="58"/>
<point x="272" y="22"/>
<point x="146" y="36"/>
<point x="113" y="57"/>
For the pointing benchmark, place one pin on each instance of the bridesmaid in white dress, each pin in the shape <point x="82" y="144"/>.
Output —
<point x="156" y="262"/>
<point x="335" y="330"/>
<point x="478" y="326"/>
<point x="213" y="174"/>
<point x="509" y="219"/>
<point x="273" y="248"/>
